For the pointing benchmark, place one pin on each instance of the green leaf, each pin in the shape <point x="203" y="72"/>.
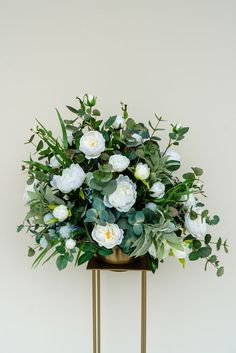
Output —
<point x="104" y="252"/>
<point x="73" y="110"/>
<point x="197" y="244"/>
<point x="204" y="251"/>
<point x="62" y="262"/>
<point x="193" y="256"/>
<point x="189" y="176"/>
<point x="63" y="128"/>
<point x="60" y="249"/>
<point x="197" y="171"/>
<point x="207" y="239"/>
<point x="31" y="252"/>
<point x="19" y="228"/>
<point x="96" y="112"/>
<point x="109" y="187"/>
<point x="85" y="257"/>
<point x="40" y="146"/>
<point x="218" y="244"/>
<point x="213" y="258"/>
<point x="110" y="122"/>
<point x="220" y="271"/>
<point x="138" y="229"/>
<point x="139" y="217"/>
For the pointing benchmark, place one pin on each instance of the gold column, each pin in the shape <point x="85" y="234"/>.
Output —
<point x="143" y="311"/>
<point x="96" y="299"/>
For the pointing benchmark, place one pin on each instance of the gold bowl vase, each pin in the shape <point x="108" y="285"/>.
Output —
<point x="118" y="257"/>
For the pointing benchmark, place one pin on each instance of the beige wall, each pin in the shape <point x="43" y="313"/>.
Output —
<point x="175" y="58"/>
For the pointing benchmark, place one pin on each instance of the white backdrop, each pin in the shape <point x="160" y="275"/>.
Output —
<point x="175" y="58"/>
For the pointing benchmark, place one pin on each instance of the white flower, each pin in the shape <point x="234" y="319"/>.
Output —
<point x="173" y="155"/>
<point x="178" y="126"/>
<point x="181" y="254"/>
<point x="197" y="227"/>
<point x="70" y="244"/>
<point x="91" y="100"/>
<point x="92" y="144"/>
<point x="29" y="188"/>
<point x="157" y="190"/>
<point x="70" y="136"/>
<point x="61" y="213"/>
<point x="142" y="171"/>
<point x="71" y="179"/>
<point x="152" y="206"/>
<point x="188" y="201"/>
<point x="119" y="162"/>
<point x="138" y="138"/>
<point x="119" y="122"/>
<point x="124" y="197"/>
<point x="47" y="218"/>
<point x="65" y="231"/>
<point x="54" y="162"/>
<point x="43" y="242"/>
<point x="107" y="236"/>
<point x="153" y="251"/>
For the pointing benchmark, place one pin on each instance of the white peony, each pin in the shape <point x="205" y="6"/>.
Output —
<point x="65" y="231"/>
<point x="47" y="218"/>
<point x="70" y="136"/>
<point x="152" y="206"/>
<point x="153" y="251"/>
<point x="157" y="190"/>
<point x="119" y="122"/>
<point x="181" y="254"/>
<point x="197" y="227"/>
<point x="92" y="144"/>
<point x="124" y="197"/>
<point x="142" y="171"/>
<point x="107" y="236"/>
<point x="138" y="138"/>
<point x="54" y="162"/>
<point x="188" y="201"/>
<point x="61" y="213"/>
<point x="119" y="162"/>
<point x="71" y="179"/>
<point x="29" y="188"/>
<point x="173" y="156"/>
<point x="70" y="244"/>
<point x="43" y="242"/>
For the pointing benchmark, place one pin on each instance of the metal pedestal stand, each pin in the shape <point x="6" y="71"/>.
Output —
<point x="96" y="267"/>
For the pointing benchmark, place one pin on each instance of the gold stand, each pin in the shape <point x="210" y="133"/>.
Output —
<point x="96" y="266"/>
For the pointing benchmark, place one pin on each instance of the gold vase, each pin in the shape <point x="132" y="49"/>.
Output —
<point x="117" y="258"/>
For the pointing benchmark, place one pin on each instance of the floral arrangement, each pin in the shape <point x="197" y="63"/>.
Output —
<point x="109" y="183"/>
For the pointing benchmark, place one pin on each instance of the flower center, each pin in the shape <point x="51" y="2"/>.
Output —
<point x="108" y="234"/>
<point x="92" y="143"/>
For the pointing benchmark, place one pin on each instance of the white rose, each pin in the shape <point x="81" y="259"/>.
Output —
<point x="157" y="190"/>
<point x="119" y="162"/>
<point x="29" y="188"/>
<point x="54" y="162"/>
<point x="71" y="179"/>
<point x="70" y="136"/>
<point x="65" y="231"/>
<point x="153" y="251"/>
<point x="92" y="144"/>
<point x="142" y="171"/>
<point x="152" y="206"/>
<point x="188" y="201"/>
<point x="124" y="197"/>
<point x="119" y="122"/>
<point x="61" y="213"/>
<point x="47" y="218"/>
<point x="138" y="138"/>
<point x="43" y="242"/>
<point x="107" y="236"/>
<point x="181" y="254"/>
<point x="70" y="244"/>
<point x="173" y="156"/>
<point x="197" y="227"/>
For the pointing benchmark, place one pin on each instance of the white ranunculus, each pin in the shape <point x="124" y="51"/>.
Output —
<point x="157" y="190"/>
<point x="43" y="242"/>
<point x="153" y="251"/>
<point x="61" y="213"/>
<point x="70" y="136"/>
<point x="124" y="197"/>
<point x="29" y="188"/>
<point x="142" y="171"/>
<point x="197" y="227"/>
<point x="71" y="179"/>
<point x="92" y="144"/>
<point x="65" y="231"/>
<point x="119" y="163"/>
<point x="70" y="244"/>
<point x="138" y="138"/>
<point x="181" y="254"/>
<point x="47" y="218"/>
<point x="54" y="162"/>
<point x="119" y="122"/>
<point x="173" y="155"/>
<point x="152" y="206"/>
<point x="188" y="201"/>
<point x="108" y="236"/>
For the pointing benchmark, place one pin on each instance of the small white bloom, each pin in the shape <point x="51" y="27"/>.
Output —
<point x="118" y="162"/>
<point x="173" y="155"/>
<point x="71" y="179"/>
<point x="92" y="144"/>
<point x="197" y="227"/>
<point x="138" y="138"/>
<point x="124" y="197"/>
<point x="70" y="136"/>
<point x="188" y="201"/>
<point x="152" y="206"/>
<point x="181" y="254"/>
<point x="43" y="242"/>
<point x="47" y="218"/>
<point x="142" y="171"/>
<point x="91" y="100"/>
<point x="157" y="190"/>
<point x="61" y="213"/>
<point x="70" y="244"/>
<point x="153" y="251"/>
<point x="65" y="231"/>
<point x="119" y="122"/>
<point x="54" y="162"/>
<point x="29" y="188"/>
<point x="178" y="126"/>
<point x="107" y="236"/>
